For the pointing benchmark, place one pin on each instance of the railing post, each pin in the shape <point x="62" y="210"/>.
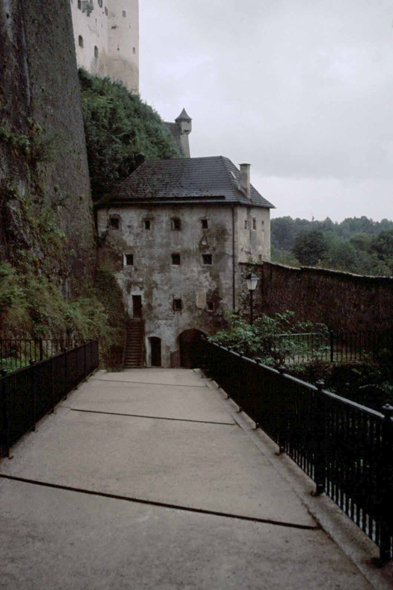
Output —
<point x="320" y="443"/>
<point x="331" y="338"/>
<point x="84" y="360"/>
<point x="6" y="420"/>
<point x="65" y="374"/>
<point x="52" y="385"/>
<point x="281" y="438"/>
<point x="33" y="405"/>
<point x="387" y="485"/>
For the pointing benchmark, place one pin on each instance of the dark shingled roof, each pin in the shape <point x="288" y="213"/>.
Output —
<point x="184" y="180"/>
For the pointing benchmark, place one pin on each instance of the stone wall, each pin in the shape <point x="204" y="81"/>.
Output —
<point x="342" y="301"/>
<point x="40" y="104"/>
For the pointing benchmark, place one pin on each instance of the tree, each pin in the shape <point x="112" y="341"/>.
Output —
<point x="310" y="247"/>
<point x="383" y="245"/>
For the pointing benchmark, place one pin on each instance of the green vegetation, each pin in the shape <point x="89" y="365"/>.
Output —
<point x="256" y="340"/>
<point x="121" y="132"/>
<point x="357" y="245"/>
<point x="368" y="381"/>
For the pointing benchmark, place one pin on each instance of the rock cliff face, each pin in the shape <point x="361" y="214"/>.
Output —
<point x="45" y="204"/>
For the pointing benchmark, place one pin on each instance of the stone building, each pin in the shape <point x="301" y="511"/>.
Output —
<point x="175" y="232"/>
<point x="106" y="34"/>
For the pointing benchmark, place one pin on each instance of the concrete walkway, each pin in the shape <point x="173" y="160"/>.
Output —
<point x="148" y="479"/>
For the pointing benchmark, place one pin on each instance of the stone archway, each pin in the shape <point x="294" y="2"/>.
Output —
<point x="188" y="344"/>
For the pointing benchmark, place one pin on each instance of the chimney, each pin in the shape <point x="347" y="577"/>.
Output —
<point x="245" y="179"/>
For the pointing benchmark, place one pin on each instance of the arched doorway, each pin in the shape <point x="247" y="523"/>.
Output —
<point x="189" y="350"/>
<point x="155" y="351"/>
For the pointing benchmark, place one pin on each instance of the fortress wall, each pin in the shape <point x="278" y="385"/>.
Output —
<point x="92" y="27"/>
<point x="39" y="83"/>
<point x="342" y="301"/>
<point x="123" y="42"/>
<point x="109" y="30"/>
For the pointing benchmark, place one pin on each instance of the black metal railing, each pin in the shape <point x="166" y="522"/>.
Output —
<point x="344" y="447"/>
<point x="28" y="394"/>
<point x="326" y="346"/>
<point x="16" y="353"/>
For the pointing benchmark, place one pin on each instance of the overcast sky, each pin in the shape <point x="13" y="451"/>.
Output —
<point x="300" y="89"/>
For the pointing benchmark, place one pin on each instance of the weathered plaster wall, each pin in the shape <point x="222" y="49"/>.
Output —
<point x="39" y="84"/>
<point x="253" y="225"/>
<point x="110" y="35"/>
<point x="92" y="27"/>
<point x="340" y="300"/>
<point x="157" y="280"/>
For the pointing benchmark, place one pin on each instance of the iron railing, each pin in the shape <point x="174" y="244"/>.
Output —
<point x="330" y="346"/>
<point x="20" y="352"/>
<point x="28" y="394"/>
<point x="344" y="447"/>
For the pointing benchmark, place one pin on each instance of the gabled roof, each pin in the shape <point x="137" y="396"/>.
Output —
<point x="184" y="180"/>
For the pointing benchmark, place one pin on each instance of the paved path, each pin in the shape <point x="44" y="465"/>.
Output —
<point x="144" y="480"/>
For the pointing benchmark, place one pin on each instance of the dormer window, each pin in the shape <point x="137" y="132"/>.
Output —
<point x="176" y="224"/>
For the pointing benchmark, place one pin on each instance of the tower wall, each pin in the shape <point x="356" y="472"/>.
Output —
<point x="123" y="42"/>
<point x="106" y="36"/>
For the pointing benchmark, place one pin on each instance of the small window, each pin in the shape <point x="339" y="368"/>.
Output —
<point x="100" y="3"/>
<point x="124" y="13"/>
<point x="114" y="222"/>
<point x="263" y="224"/>
<point x="176" y="224"/>
<point x="129" y="259"/>
<point x="147" y="224"/>
<point x="134" y="50"/>
<point x="207" y="259"/>
<point x="80" y="4"/>
<point x="80" y="41"/>
<point x="245" y="224"/>
<point x="176" y="259"/>
<point x="95" y="52"/>
<point x="106" y="11"/>
<point x="210" y="306"/>
<point x="205" y="223"/>
<point x="254" y="223"/>
<point x="177" y="305"/>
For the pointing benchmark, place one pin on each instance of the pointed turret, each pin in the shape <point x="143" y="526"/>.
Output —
<point x="184" y="123"/>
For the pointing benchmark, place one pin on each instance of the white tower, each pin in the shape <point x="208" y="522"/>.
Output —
<point x="106" y="36"/>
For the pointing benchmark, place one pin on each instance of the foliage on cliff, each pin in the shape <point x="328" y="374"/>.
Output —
<point x="121" y="132"/>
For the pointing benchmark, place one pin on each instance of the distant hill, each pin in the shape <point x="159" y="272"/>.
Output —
<point x="357" y="244"/>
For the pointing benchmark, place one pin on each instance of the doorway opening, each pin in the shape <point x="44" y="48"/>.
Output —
<point x="137" y="306"/>
<point x="189" y="349"/>
<point x="155" y="351"/>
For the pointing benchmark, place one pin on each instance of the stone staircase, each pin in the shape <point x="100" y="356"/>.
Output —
<point x="134" y="353"/>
